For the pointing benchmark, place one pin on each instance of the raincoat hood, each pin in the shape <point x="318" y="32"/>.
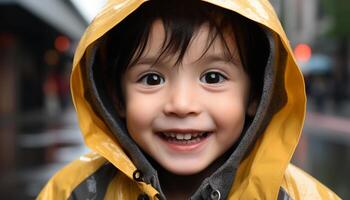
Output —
<point x="261" y="158"/>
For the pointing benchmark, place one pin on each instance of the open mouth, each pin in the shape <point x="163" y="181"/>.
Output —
<point x="183" y="138"/>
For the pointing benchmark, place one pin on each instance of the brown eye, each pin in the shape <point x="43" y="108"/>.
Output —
<point x="212" y="78"/>
<point x="152" y="79"/>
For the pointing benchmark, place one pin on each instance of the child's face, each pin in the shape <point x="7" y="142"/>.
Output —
<point x="186" y="116"/>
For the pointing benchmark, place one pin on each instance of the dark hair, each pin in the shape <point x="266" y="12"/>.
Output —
<point x="181" y="18"/>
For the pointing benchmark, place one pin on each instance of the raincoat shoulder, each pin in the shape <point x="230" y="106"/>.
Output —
<point x="297" y="184"/>
<point x="67" y="179"/>
<point x="90" y="177"/>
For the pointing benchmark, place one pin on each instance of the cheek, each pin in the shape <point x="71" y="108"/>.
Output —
<point x="229" y="116"/>
<point x="140" y="112"/>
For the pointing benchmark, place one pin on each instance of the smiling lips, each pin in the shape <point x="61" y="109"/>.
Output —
<point x="184" y="137"/>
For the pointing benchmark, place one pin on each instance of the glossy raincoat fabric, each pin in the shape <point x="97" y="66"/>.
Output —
<point x="265" y="173"/>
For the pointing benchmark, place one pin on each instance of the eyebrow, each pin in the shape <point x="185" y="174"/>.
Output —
<point x="213" y="58"/>
<point x="210" y="58"/>
<point x="153" y="61"/>
<point x="206" y="58"/>
<point x="148" y="60"/>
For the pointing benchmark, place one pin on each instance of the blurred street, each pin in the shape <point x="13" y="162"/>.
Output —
<point x="324" y="150"/>
<point x="39" y="133"/>
<point x="45" y="144"/>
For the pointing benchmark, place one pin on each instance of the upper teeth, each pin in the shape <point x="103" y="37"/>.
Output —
<point x="183" y="136"/>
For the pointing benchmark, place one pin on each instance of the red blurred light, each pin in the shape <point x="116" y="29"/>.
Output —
<point x="51" y="57"/>
<point x="7" y="40"/>
<point x="62" y="43"/>
<point x="303" y="52"/>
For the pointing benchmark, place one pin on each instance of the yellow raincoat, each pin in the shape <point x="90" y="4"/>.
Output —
<point x="266" y="173"/>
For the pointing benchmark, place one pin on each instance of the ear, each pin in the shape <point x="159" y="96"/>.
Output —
<point x="252" y="108"/>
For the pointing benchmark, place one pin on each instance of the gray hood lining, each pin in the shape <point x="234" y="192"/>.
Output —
<point x="222" y="179"/>
<point x="103" y="106"/>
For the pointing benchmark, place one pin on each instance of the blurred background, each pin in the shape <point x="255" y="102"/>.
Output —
<point x="38" y="127"/>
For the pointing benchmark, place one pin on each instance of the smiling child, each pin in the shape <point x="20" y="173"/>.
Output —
<point x="187" y="99"/>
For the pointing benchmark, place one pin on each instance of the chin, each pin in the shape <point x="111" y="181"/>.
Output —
<point x="185" y="169"/>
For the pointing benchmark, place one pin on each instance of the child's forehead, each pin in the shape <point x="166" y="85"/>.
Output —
<point x="204" y="45"/>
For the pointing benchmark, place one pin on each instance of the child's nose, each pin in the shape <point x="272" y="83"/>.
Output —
<point x="182" y="101"/>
